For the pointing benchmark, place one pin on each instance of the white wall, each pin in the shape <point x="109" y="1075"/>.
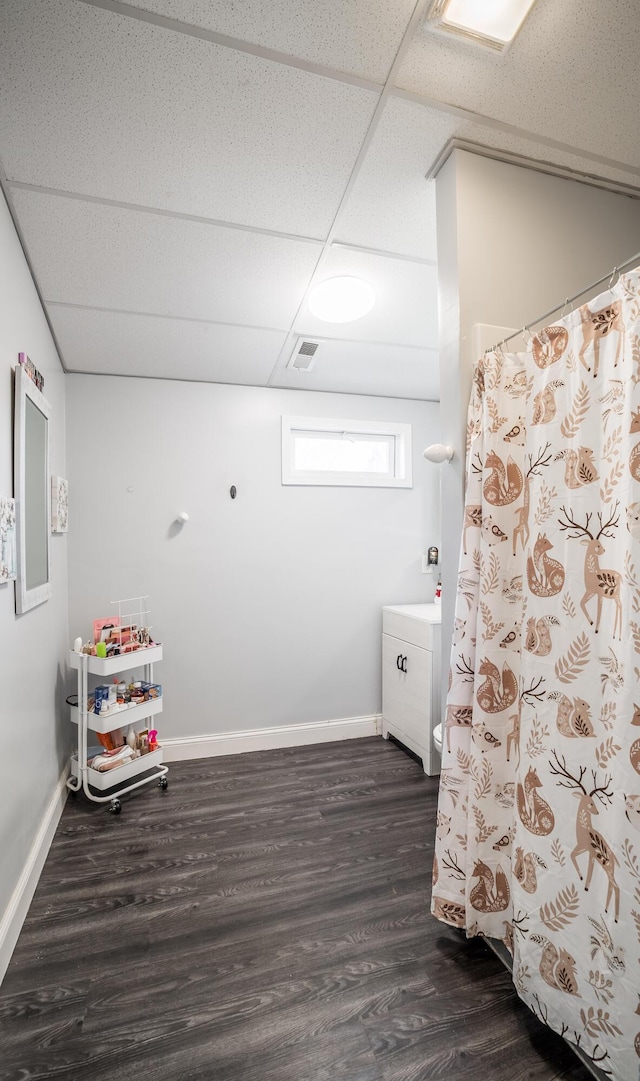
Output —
<point x="268" y="605"/>
<point x="32" y="646"/>
<point x="512" y="243"/>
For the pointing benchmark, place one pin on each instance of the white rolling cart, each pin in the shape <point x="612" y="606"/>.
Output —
<point x="143" y="770"/>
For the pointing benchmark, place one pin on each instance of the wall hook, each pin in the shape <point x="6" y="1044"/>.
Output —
<point x="182" y="517"/>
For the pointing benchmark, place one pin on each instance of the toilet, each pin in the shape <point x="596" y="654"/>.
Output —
<point x="437" y="738"/>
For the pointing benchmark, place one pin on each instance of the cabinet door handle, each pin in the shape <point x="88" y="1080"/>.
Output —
<point x="399" y="662"/>
<point x="404" y="664"/>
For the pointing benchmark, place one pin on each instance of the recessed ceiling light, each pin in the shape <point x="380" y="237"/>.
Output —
<point x="341" y="300"/>
<point x="488" y="22"/>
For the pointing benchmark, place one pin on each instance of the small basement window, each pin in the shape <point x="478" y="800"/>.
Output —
<point x="346" y="452"/>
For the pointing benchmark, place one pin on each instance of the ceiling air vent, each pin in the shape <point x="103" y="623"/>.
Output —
<point x="304" y="355"/>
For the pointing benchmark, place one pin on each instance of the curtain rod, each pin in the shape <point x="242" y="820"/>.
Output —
<point x="587" y="289"/>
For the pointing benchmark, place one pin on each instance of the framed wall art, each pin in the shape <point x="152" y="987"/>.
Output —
<point x="7" y="539"/>
<point x="59" y="505"/>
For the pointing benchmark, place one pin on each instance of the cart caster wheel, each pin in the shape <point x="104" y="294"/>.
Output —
<point x="163" y="783"/>
<point x="115" y="807"/>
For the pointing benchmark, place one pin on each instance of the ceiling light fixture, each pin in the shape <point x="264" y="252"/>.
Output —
<point x="487" y="22"/>
<point x="341" y="300"/>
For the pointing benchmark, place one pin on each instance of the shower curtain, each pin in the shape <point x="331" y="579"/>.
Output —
<point x="538" y="825"/>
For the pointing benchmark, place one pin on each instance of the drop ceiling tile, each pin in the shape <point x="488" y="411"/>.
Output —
<point x="345" y="367"/>
<point x="101" y="104"/>
<point x="356" y="36"/>
<point x="570" y="75"/>
<point x="406" y="307"/>
<point x="109" y="257"/>
<point x="391" y="207"/>
<point x="113" y="343"/>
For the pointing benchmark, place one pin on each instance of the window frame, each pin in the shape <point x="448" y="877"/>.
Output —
<point x="399" y="477"/>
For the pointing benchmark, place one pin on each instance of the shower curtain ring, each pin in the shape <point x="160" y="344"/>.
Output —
<point x="564" y="308"/>
<point x="525" y="331"/>
<point x="613" y="277"/>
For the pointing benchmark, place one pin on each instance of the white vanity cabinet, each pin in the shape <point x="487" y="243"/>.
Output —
<point x="411" y="678"/>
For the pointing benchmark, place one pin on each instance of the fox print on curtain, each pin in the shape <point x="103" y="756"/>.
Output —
<point x="538" y="827"/>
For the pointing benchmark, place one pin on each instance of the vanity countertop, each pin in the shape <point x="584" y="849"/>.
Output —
<point x="426" y="613"/>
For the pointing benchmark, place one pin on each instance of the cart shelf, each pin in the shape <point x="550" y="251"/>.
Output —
<point x="119" y="718"/>
<point x="124" y="662"/>
<point x="115" y="778"/>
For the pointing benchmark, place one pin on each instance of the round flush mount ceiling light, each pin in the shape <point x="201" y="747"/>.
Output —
<point x="341" y="300"/>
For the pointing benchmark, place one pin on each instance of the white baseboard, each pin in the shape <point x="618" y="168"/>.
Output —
<point x="265" y="739"/>
<point x="15" y="914"/>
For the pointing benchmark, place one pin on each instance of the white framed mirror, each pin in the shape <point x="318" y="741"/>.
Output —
<point x="32" y="493"/>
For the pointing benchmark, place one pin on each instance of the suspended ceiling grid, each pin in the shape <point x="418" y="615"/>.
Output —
<point x="182" y="171"/>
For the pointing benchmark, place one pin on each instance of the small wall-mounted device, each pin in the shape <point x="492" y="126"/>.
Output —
<point x="429" y="559"/>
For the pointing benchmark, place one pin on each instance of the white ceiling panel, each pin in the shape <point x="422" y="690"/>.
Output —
<point x="114" y="343"/>
<point x="355" y="368"/>
<point x="232" y="122"/>
<point x="101" y="104"/>
<point x="571" y="75"/>
<point x="406" y="307"/>
<point x="334" y="33"/>
<point x="108" y="257"/>
<point x="392" y="207"/>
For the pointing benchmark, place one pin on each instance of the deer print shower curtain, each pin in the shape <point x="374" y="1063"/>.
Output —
<point x="538" y="828"/>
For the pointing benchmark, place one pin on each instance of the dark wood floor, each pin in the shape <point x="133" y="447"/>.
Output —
<point x="266" y="919"/>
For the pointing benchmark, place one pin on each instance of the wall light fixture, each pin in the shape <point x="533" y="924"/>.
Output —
<point x="438" y="453"/>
